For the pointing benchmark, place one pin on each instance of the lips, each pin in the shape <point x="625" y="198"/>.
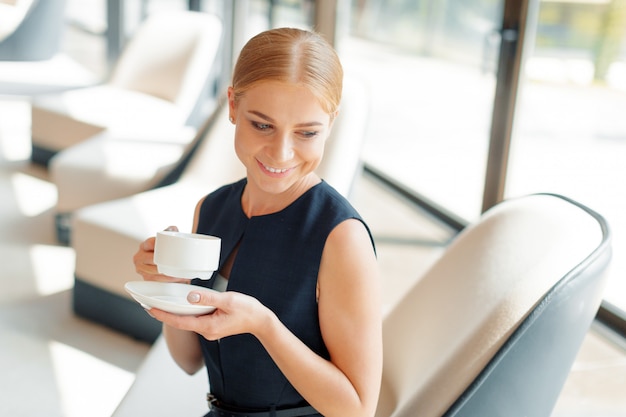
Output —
<point x="274" y="170"/>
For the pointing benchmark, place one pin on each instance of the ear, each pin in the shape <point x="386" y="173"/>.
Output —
<point x="232" y="113"/>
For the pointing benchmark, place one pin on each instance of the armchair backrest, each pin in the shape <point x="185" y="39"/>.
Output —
<point x="30" y="30"/>
<point x="342" y="161"/>
<point x="494" y="326"/>
<point x="214" y="161"/>
<point x="170" y="56"/>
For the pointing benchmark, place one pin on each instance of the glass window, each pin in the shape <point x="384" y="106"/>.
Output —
<point x="264" y="14"/>
<point x="429" y="66"/>
<point x="570" y="134"/>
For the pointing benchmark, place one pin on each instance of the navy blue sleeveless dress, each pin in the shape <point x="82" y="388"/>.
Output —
<point x="277" y="263"/>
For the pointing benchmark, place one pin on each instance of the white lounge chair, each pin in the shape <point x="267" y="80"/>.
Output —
<point x="156" y="84"/>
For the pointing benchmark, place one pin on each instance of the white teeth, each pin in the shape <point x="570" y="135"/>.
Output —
<point x="275" y="170"/>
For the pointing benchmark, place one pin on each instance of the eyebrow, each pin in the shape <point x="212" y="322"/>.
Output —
<point x="270" y="120"/>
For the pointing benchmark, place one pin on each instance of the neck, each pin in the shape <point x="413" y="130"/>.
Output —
<point x="256" y="202"/>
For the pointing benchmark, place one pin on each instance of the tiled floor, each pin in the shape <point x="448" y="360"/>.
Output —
<point x="51" y="362"/>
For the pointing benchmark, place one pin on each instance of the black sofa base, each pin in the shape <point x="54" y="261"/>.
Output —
<point x="114" y="311"/>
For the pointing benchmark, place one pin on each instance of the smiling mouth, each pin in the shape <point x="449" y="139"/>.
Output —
<point x="274" y="170"/>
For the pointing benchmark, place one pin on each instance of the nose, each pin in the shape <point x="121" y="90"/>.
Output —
<point x="281" y="148"/>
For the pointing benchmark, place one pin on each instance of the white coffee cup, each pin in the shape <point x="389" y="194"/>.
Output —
<point x="186" y="255"/>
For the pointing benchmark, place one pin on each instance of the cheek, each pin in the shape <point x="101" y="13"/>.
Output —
<point x="242" y="147"/>
<point x="243" y="140"/>
<point x="238" y="151"/>
<point x="314" y="152"/>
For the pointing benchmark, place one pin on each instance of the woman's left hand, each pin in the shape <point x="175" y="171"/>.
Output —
<point x="235" y="313"/>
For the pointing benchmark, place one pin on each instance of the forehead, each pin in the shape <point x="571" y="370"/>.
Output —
<point x="283" y="101"/>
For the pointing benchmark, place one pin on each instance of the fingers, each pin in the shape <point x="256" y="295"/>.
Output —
<point x="206" y="324"/>
<point x="144" y="262"/>
<point x="189" y="323"/>
<point x="235" y="313"/>
<point x="204" y="297"/>
<point x="148" y="244"/>
<point x="144" y="258"/>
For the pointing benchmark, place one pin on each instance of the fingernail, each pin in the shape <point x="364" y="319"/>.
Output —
<point x="193" y="297"/>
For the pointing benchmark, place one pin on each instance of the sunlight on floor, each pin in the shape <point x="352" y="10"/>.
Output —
<point x="33" y="196"/>
<point x="14" y="129"/>
<point x="72" y="368"/>
<point x="53" y="268"/>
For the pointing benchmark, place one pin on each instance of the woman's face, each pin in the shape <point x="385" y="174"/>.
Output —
<point x="280" y="134"/>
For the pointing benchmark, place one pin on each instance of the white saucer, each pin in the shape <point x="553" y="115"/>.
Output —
<point x="167" y="296"/>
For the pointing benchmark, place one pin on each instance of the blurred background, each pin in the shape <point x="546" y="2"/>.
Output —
<point x="473" y="101"/>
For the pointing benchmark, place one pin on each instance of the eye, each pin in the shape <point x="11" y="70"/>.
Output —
<point x="261" y="126"/>
<point x="308" y="134"/>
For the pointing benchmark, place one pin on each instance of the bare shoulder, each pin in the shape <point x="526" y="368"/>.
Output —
<point x="348" y="258"/>
<point x="350" y="236"/>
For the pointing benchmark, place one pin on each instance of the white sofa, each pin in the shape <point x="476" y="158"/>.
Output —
<point x="106" y="235"/>
<point x="156" y="84"/>
<point x="30" y="58"/>
<point x="108" y="166"/>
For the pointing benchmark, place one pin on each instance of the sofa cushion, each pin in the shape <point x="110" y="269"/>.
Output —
<point x="107" y="167"/>
<point x="60" y="121"/>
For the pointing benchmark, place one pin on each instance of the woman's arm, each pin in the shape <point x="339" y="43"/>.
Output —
<point x="184" y="348"/>
<point x="183" y="345"/>
<point x="351" y="324"/>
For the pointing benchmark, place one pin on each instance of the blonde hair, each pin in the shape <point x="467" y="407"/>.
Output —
<point x="295" y="56"/>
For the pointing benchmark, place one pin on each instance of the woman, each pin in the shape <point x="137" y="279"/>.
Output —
<point x="297" y="330"/>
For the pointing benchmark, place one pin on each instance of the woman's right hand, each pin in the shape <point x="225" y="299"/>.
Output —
<point x="144" y="262"/>
<point x="183" y="345"/>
